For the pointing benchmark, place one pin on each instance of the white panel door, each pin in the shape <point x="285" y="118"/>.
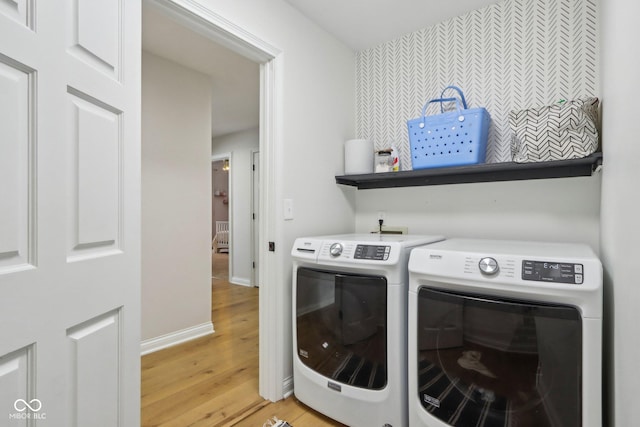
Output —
<point x="69" y="212"/>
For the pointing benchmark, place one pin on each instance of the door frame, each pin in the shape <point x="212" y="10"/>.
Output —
<point x="255" y="225"/>
<point x="218" y="29"/>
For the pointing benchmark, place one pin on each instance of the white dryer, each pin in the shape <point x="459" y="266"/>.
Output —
<point x="505" y="333"/>
<point x="349" y="326"/>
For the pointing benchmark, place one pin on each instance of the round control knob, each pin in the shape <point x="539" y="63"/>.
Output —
<point x="335" y="250"/>
<point x="488" y="266"/>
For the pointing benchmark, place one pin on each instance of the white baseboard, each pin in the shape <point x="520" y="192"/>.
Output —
<point x="287" y="387"/>
<point x="174" y="338"/>
<point x="240" y="281"/>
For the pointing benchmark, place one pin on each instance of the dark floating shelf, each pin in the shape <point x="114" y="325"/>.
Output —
<point x="487" y="172"/>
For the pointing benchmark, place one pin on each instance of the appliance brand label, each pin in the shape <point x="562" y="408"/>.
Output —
<point x="435" y="256"/>
<point x="334" y="386"/>
<point x="303" y="353"/>
<point x="431" y="400"/>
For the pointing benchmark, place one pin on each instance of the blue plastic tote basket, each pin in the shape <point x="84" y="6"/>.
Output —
<point x="451" y="138"/>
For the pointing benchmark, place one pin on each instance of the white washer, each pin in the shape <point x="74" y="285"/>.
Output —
<point x="349" y="326"/>
<point x="505" y="333"/>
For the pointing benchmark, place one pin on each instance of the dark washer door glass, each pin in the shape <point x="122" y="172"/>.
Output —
<point x="341" y="326"/>
<point x="486" y="363"/>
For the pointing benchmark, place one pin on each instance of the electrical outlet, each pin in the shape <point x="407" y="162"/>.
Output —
<point x="390" y="229"/>
<point x="381" y="215"/>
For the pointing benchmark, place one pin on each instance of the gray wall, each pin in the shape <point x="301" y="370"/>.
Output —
<point x="176" y="198"/>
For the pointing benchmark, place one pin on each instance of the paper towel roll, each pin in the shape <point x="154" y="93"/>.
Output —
<point x="358" y="156"/>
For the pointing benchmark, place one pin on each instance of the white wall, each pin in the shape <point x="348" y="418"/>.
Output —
<point x="557" y="210"/>
<point x="241" y="145"/>
<point x="176" y="198"/>
<point x="621" y="208"/>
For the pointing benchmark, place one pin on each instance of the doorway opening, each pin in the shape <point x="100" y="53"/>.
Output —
<point x="208" y="24"/>
<point x="221" y="220"/>
<point x="234" y="181"/>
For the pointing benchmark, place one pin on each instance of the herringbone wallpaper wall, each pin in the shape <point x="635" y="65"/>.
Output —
<point x="512" y="55"/>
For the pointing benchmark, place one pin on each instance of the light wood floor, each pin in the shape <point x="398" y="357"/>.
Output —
<point x="213" y="381"/>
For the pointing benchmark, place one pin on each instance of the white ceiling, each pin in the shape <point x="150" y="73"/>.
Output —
<point x="235" y="86"/>
<point x="362" y="24"/>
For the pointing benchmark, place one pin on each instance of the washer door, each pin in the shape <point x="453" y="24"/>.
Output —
<point x="488" y="362"/>
<point x="341" y="326"/>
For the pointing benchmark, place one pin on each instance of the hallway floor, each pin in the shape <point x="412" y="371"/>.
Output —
<point x="213" y="381"/>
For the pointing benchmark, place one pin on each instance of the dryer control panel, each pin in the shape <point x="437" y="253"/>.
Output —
<point x="546" y="271"/>
<point x="373" y="252"/>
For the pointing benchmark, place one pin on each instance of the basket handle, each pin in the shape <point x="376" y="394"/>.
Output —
<point x="441" y="101"/>
<point x="457" y="89"/>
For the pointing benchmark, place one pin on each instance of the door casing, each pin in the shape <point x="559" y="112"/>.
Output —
<point x="215" y="27"/>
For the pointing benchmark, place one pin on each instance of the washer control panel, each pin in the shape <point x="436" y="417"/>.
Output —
<point x="488" y="266"/>
<point x="372" y="252"/>
<point x="336" y="250"/>
<point x="559" y="272"/>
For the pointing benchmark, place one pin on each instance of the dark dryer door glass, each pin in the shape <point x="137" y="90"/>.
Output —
<point x="341" y="326"/>
<point x="488" y="363"/>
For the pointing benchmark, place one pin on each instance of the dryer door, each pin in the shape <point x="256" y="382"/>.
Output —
<point x="341" y="326"/>
<point x="489" y="362"/>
